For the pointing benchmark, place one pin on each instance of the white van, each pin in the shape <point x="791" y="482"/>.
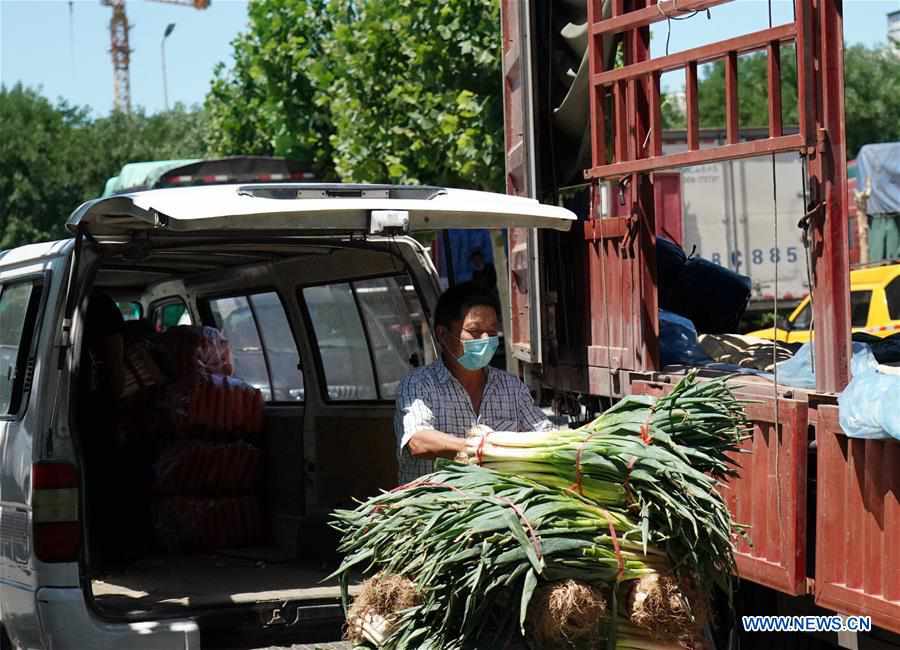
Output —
<point x="325" y="299"/>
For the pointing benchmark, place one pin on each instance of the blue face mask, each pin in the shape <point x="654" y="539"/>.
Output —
<point x="477" y="353"/>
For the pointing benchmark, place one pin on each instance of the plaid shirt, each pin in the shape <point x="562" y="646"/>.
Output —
<point x="432" y="398"/>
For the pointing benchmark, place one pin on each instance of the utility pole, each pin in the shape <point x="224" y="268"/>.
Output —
<point x="169" y="29"/>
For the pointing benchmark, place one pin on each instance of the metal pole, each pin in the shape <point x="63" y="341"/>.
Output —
<point x="448" y="258"/>
<point x="169" y="29"/>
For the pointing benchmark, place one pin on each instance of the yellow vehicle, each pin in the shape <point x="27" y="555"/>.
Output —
<point x="874" y="307"/>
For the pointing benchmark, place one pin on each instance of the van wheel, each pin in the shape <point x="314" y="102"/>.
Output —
<point x="5" y="643"/>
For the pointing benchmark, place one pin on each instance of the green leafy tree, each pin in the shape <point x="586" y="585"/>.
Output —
<point x="266" y="103"/>
<point x="753" y="91"/>
<point x="39" y="165"/>
<point x="123" y="138"/>
<point x="414" y="91"/>
<point x="871" y="88"/>
<point x="871" y="91"/>
<point x="672" y="115"/>
<point x="54" y="156"/>
<point x="386" y="90"/>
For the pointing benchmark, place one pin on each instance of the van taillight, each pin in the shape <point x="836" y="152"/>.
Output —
<point x="54" y="505"/>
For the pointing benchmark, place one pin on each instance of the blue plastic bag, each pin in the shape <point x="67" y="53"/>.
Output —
<point x="868" y="407"/>
<point x="678" y="341"/>
<point x="798" y="370"/>
<point x="679" y="346"/>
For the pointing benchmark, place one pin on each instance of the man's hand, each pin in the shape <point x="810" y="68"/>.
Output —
<point x="430" y="444"/>
<point x="478" y="431"/>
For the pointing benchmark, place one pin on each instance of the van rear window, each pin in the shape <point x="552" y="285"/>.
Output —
<point x="130" y="310"/>
<point x="262" y="344"/>
<point x="169" y="313"/>
<point x="370" y="334"/>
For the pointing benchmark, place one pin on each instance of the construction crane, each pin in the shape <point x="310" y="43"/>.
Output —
<point x="121" y="52"/>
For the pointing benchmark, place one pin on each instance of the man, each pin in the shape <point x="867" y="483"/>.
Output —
<point x="119" y="473"/>
<point x="104" y="358"/>
<point x="484" y="275"/>
<point x="439" y="404"/>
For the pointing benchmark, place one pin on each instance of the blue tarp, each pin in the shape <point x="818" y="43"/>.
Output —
<point x="798" y="370"/>
<point x="462" y="244"/>
<point x="878" y="167"/>
<point x="868" y="406"/>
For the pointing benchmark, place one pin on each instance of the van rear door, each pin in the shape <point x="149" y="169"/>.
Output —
<point x="311" y="208"/>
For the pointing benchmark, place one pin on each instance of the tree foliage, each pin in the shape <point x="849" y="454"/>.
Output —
<point x="871" y="88"/>
<point x="38" y="168"/>
<point x="415" y="92"/>
<point x="871" y="92"/>
<point x="386" y="90"/>
<point x="55" y="156"/>
<point x="268" y="102"/>
<point x="753" y="93"/>
<point x="376" y="91"/>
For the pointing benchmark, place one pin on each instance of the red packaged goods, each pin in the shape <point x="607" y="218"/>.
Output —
<point x="140" y="418"/>
<point x="257" y="420"/>
<point x="215" y="407"/>
<point x="222" y="402"/>
<point x="205" y="523"/>
<point x="141" y="371"/>
<point x="193" y="348"/>
<point x="193" y="468"/>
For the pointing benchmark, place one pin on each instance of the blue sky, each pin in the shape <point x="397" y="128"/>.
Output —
<point x="865" y="21"/>
<point x="41" y="46"/>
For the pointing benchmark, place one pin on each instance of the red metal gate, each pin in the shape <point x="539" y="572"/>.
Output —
<point x="667" y="200"/>
<point x="857" y="567"/>
<point x="768" y="497"/>
<point x="858" y="521"/>
<point x="626" y="128"/>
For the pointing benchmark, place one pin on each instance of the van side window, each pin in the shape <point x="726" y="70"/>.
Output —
<point x="859" y="308"/>
<point x="369" y="333"/>
<point x="893" y="298"/>
<point x="130" y="310"/>
<point x="18" y="314"/>
<point x="262" y="344"/>
<point x="804" y="319"/>
<point x="341" y="340"/>
<point x="397" y="329"/>
<point x="169" y="313"/>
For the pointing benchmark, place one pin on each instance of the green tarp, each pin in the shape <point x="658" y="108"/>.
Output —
<point x="142" y="175"/>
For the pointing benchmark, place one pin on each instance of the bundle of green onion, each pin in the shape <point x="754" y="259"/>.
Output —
<point x="630" y="498"/>
<point x="657" y="460"/>
<point x="477" y="543"/>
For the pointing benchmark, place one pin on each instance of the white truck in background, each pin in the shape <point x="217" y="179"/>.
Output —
<point x="723" y="220"/>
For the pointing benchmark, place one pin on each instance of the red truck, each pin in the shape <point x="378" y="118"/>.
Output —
<point x="583" y="127"/>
